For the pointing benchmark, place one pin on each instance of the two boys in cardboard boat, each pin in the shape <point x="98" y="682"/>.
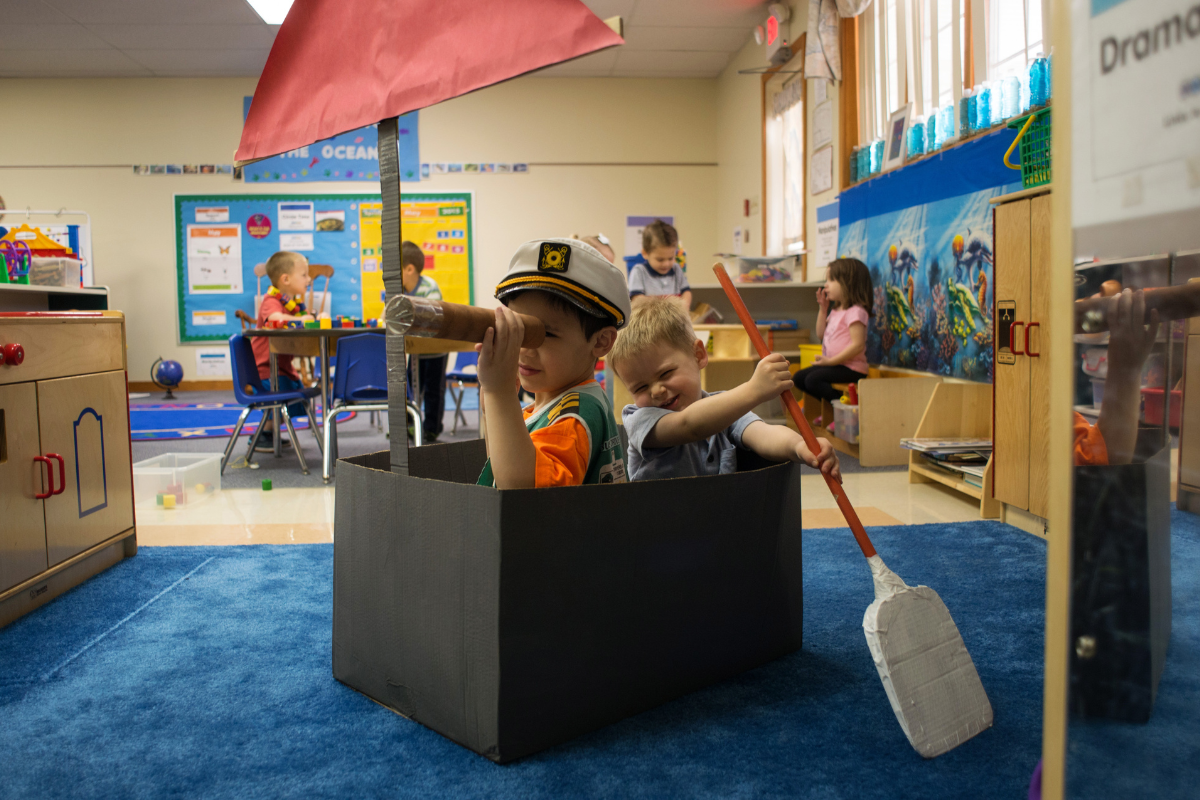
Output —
<point x="512" y="620"/>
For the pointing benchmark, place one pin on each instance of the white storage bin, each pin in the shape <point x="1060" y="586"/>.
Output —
<point x="845" y="422"/>
<point x="188" y="477"/>
<point x="54" y="272"/>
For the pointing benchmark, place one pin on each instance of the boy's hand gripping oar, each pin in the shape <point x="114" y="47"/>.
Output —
<point x="925" y="667"/>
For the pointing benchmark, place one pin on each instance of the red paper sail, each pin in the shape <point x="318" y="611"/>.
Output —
<point x="337" y="65"/>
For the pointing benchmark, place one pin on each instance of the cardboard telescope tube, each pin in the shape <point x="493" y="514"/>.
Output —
<point x="1175" y="302"/>
<point x="423" y="316"/>
<point x="839" y="493"/>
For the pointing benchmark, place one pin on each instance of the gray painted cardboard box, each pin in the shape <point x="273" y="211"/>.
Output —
<point x="513" y="621"/>
<point x="1121" y="585"/>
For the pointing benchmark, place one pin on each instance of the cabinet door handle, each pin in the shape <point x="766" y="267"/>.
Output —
<point x="1029" y="352"/>
<point x="1012" y="338"/>
<point x="49" y="477"/>
<point x="62" y="470"/>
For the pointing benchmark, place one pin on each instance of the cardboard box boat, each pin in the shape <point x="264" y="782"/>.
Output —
<point x="511" y="621"/>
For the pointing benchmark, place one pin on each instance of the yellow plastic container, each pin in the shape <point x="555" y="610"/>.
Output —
<point x="808" y="355"/>
<point x="326" y="323"/>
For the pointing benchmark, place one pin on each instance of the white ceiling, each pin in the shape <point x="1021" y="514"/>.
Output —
<point x="207" y="38"/>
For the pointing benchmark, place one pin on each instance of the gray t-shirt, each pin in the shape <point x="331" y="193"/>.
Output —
<point x="644" y="280"/>
<point x="712" y="456"/>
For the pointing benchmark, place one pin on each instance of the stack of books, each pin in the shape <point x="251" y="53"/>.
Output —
<point x="965" y="456"/>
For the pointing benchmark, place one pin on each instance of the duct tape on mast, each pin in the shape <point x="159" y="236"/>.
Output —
<point x="393" y="284"/>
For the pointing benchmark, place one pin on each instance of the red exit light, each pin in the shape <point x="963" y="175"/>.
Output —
<point x="772" y="30"/>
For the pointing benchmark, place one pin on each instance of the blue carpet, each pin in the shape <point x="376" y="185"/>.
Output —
<point x="197" y="421"/>
<point x="205" y="672"/>
<point x="1161" y="758"/>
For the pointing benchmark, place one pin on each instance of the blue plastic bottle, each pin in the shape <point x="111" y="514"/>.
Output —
<point x="916" y="138"/>
<point x="946" y="129"/>
<point x="931" y="129"/>
<point x="1049" y="76"/>
<point x="1010" y="96"/>
<point x="964" y="113"/>
<point x="1039" y="75"/>
<point x="876" y="156"/>
<point x="983" y="107"/>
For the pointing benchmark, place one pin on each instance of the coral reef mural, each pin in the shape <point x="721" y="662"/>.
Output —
<point x="931" y="271"/>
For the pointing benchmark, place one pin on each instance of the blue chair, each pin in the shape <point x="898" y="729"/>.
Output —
<point x="464" y="373"/>
<point x="360" y="384"/>
<point x="256" y="395"/>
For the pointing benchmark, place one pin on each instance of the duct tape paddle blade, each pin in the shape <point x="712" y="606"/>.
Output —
<point x="923" y="662"/>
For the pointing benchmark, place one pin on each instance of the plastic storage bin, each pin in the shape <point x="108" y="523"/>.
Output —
<point x="845" y="422"/>
<point x="187" y="477"/>
<point x="1152" y="403"/>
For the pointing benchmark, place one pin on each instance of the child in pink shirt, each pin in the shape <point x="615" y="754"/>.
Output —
<point x="843" y="330"/>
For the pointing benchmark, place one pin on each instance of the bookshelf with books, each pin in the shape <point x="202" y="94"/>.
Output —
<point x="953" y="443"/>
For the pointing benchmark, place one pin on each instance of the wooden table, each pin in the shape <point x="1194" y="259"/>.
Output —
<point x="316" y="342"/>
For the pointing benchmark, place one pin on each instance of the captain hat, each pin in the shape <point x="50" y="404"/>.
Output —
<point x="573" y="271"/>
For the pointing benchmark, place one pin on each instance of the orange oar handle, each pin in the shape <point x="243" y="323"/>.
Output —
<point x="839" y="493"/>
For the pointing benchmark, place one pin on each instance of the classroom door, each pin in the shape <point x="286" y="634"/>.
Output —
<point x="84" y="419"/>
<point x="23" y="530"/>
<point x="1010" y="457"/>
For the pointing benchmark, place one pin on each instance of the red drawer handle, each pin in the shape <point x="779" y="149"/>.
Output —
<point x="62" y="473"/>
<point x="1012" y="338"/>
<point x="49" y="477"/>
<point x="1028" y="351"/>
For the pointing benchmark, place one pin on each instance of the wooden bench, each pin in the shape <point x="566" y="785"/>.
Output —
<point x="890" y="406"/>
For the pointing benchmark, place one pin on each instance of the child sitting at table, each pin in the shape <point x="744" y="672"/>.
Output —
<point x="284" y="302"/>
<point x="678" y="430"/>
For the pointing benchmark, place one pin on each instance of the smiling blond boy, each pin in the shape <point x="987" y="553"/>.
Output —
<point x="677" y="430"/>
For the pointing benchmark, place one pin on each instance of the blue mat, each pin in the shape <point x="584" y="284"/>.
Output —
<point x="197" y="420"/>
<point x="205" y="672"/>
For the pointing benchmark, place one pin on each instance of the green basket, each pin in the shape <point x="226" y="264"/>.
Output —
<point x="1035" y="148"/>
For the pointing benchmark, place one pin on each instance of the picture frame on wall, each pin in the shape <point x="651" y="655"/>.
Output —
<point x="894" y="149"/>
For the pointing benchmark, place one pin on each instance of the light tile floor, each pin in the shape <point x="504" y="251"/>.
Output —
<point x="301" y="516"/>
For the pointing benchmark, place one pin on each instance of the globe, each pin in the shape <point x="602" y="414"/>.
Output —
<point x="166" y="375"/>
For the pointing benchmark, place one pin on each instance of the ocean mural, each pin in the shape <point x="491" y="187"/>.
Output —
<point x="931" y="267"/>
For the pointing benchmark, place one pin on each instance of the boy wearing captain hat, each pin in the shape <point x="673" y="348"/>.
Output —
<point x="568" y="436"/>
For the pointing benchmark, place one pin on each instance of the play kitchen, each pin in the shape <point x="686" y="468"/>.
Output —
<point x="66" y="490"/>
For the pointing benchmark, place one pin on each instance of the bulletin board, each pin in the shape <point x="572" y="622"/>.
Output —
<point x="220" y="239"/>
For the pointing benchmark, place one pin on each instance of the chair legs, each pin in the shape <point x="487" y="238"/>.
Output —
<point x="329" y="454"/>
<point x="237" y="430"/>
<point x="287" y="420"/>
<point x="254" y="439"/>
<point x="458" y="399"/>
<point x="414" y="413"/>
<point x="312" y="425"/>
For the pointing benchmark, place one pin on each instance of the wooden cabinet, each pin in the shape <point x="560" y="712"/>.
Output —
<point x="66" y="487"/>
<point x="1188" y="485"/>
<point x="1022" y="370"/>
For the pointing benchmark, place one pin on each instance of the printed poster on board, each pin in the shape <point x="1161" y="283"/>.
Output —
<point x="351" y="156"/>
<point x="214" y="259"/>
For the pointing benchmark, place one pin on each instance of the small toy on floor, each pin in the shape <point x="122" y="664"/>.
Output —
<point x="266" y="484"/>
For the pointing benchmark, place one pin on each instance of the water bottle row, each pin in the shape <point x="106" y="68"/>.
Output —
<point x="988" y="104"/>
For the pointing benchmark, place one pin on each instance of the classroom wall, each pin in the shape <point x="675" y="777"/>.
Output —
<point x="590" y="143"/>
<point x="740" y="144"/>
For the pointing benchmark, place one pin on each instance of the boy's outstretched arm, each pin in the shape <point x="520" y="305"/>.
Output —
<point x="780" y="443"/>
<point x="711" y="415"/>
<point x="509" y="446"/>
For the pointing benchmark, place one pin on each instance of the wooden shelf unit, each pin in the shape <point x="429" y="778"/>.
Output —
<point x="956" y="409"/>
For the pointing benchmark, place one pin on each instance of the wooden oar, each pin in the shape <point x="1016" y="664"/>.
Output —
<point x="926" y="670"/>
